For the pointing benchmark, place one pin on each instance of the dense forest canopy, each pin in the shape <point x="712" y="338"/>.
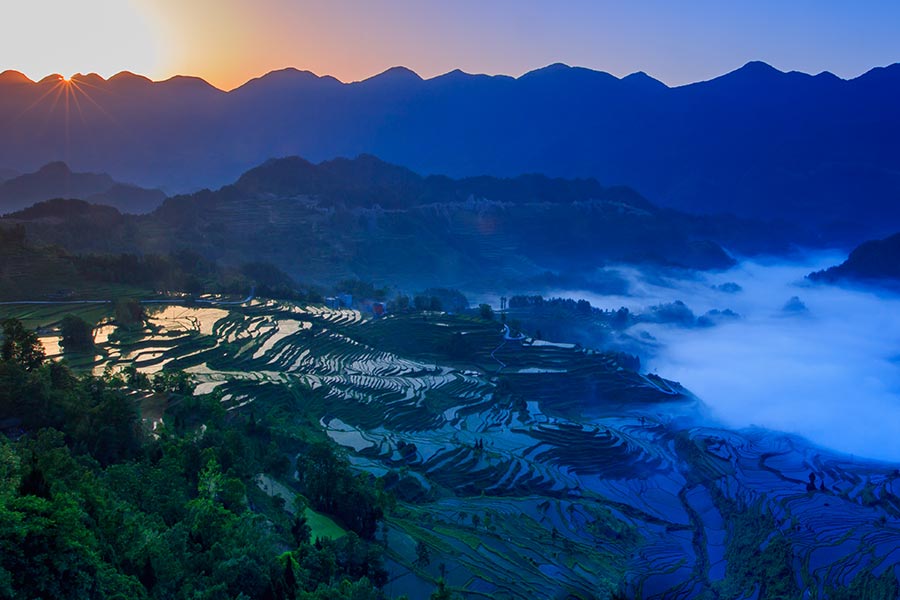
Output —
<point x="94" y="504"/>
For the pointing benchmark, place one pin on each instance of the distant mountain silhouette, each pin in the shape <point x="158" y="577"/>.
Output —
<point x="875" y="261"/>
<point x="366" y="218"/>
<point x="366" y="182"/>
<point x="756" y="142"/>
<point x="56" y="180"/>
<point x="6" y="174"/>
<point x="62" y="210"/>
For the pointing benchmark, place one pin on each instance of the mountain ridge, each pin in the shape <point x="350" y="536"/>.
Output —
<point x="874" y="262"/>
<point x="15" y="76"/>
<point x="57" y="180"/>
<point x="363" y="217"/>
<point x="814" y="150"/>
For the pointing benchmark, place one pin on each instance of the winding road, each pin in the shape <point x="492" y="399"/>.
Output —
<point x="506" y="338"/>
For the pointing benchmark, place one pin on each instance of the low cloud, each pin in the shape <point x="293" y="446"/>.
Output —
<point x="830" y="372"/>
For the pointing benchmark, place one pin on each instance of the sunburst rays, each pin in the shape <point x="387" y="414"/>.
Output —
<point x="71" y="95"/>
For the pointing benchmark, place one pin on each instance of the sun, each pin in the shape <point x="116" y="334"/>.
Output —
<point x="62" y="36"/>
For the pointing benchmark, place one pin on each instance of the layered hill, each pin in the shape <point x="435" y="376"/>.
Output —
<point x="756" y="142"/>
<point x="56" y="180"/>
<point x="875" y="261"/>
<point x="369" y="219"/>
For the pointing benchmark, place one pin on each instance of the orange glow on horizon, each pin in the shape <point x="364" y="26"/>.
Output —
<point x="228" y="42"/>
<point x="69" y="93"/>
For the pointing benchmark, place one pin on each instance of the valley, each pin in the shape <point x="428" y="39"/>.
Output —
<point x="526" y="467"/>
<point x="446" y="301"/>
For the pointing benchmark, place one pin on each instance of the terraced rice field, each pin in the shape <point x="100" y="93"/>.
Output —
<point x="533" y="469"/>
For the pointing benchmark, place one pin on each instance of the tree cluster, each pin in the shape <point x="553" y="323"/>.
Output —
<point x="332" y="487"/>
<point x="188" y="271"/>
<point x="94" y="505"/>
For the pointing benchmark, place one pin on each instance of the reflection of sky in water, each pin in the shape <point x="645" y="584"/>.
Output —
<point x="51" y="344"/>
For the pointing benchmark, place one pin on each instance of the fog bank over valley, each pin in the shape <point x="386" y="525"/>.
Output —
<point x="820" y="361"/>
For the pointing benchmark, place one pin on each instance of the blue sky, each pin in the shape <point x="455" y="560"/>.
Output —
<point x="230" y="41"/>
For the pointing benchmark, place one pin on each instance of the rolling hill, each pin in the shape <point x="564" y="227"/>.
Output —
<point x="56" y="180"/>
<point x="812" y="150"/>
<point x="875" y="261"/>
<point x="369" y="219"/>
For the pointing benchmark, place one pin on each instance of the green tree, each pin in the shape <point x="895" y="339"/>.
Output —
<point x="331" y="487"/>
<point x="77" y="334"/>
<point x="173" y="382"/>
<point x="442" y="592"/>
<point x="486" y="312"/>
<point x="423" y="555"/>
<point x="300" y="529"/>
<point x="21" y="346"/>
<point x="92" y="509"/>
<point x="866" y="585"/>
<point x="399" y="303"/>
<point x="129" y="313"/>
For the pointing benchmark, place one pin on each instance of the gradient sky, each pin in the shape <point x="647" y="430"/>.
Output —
<point x="228" y="42"/>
